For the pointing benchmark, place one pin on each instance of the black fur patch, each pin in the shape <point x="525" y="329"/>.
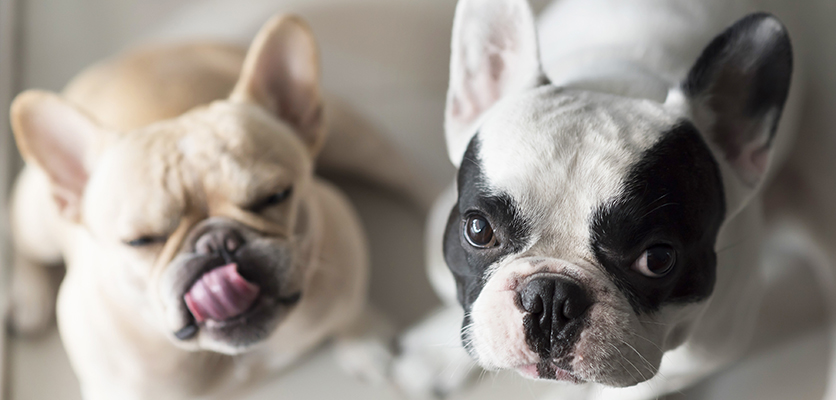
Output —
<point x="468" y="264"/>
<point x="674" y="196"/>
<point x="744" y="74"/>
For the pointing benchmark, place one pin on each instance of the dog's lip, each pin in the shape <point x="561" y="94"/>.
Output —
<point x="260" y="304"/>
<point x="190" y="329"/>
<point x="560" y="374"/>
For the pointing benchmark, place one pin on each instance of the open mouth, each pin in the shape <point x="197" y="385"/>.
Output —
<point x="221" y="294"/>
<point x="548" y="371"/>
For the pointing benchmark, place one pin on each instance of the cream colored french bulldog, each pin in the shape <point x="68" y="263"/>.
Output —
<point x="202" y="253"/>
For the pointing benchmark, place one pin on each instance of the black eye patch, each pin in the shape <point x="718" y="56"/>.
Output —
<point x="673" y="195"/>
<point x="467" y="262"/>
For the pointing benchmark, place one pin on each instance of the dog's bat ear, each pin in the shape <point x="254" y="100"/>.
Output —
<point x="281" y="73"/>
<point x="737" y="89"/>
<point x="494" y="54"/>
<point x="59" y="138"/>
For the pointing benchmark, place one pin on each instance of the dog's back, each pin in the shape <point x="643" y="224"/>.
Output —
<point x="155" y="83"/>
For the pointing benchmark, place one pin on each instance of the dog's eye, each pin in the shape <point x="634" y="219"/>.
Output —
<point x="273" y="200"/>
<point x="143" y="241"/>
<point x="478" y="232"/>
<point x="656" y="261"/>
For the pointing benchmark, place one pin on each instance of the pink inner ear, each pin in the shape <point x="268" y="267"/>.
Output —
<point x="751" y="164"/>
<point x="760" y="158"/>
<point x="282" y="75"/>
<point x="62" y="160"/>
<point x="55" y="135"/>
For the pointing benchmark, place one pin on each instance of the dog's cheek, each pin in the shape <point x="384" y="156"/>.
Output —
<point x="124" y="270"/>
<point x="498" y="337"/>
<point x="615" y="349"/>
<point x="276" y="262"/>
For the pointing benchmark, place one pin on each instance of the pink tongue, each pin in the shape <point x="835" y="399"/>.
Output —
<point x="220" y="294"/>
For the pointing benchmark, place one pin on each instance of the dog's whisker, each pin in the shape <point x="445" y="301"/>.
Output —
<point x="654" y="370"/>
<point x="646" y="339"/>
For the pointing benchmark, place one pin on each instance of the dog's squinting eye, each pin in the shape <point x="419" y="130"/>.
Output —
<point x="145" y="241"/>
<point x="656" y="261"/>
<point x="273" y="200"/>
<point x="478" y="232"/>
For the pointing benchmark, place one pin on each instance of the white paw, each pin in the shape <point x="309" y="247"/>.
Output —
<point x="368" y="359"/>
<point x="432" y="373"/>
<point x="432" y="362"/>
<point x="32" y="300"/>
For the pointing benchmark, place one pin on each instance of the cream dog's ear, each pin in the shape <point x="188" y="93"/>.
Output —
<point x="281" y="73"/>
<point x="58" y="137"/>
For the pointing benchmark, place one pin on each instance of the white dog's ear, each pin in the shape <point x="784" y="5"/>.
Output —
<point x="494" y="54"/>
<point x="59" y="138"/>
<point x="281" y="73"/>
<point x="737" y="90"/>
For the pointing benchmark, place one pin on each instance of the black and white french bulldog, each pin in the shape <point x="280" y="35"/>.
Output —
<point x="606" y="224"/>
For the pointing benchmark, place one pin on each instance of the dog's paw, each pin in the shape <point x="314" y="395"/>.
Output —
<point x="367" y="358"/>
<point x="363" y="348"/>
<point x="31" y="301"/>
<point x="432" y="362"/>
<point x="432" y="373"/>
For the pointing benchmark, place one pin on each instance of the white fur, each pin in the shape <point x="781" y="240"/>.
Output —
<point x="639" y="50"/>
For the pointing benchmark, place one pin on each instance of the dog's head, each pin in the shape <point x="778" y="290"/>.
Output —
<point x="199" y="224"/>
<point x="583" y="239"/>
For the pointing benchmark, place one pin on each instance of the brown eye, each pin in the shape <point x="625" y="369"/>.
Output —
<point x="656" y="261"/>
<point x="478" y="232"/>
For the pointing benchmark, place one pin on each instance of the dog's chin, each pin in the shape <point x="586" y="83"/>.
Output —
<point x="239" y="334"/>
<point x="548" y="371"/>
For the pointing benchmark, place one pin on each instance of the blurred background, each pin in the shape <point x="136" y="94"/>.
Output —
<point x="389" y="60"/>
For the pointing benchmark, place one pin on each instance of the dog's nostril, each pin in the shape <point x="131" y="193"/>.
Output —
<point x="232" y="244"/>
<point x="577" y="302"/>
<point x="536" y="294"/>
<point x="219" y="241"/>
<point x="554" y="297"/>
<point x="534" y="305"/>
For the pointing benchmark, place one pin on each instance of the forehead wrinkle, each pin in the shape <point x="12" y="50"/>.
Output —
<point x="559" y="155"/>
<point x="242" y="152"/>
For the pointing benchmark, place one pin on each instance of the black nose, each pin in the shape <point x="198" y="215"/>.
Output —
<point x="555" y="307"/>
<point x="220" y="241"/>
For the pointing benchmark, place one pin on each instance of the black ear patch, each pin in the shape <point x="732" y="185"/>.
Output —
<point x="672" y="196"/>
<point x="743" y="78"/>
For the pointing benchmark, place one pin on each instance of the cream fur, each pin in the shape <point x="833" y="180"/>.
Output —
<point x="169" y="151"/>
